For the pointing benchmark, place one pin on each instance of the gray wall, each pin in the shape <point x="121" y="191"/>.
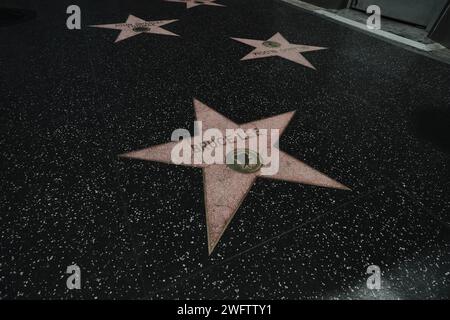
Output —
<point x="441" y="31"/>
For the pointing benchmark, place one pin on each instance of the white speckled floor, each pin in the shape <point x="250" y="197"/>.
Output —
<point x="372" y="115"/>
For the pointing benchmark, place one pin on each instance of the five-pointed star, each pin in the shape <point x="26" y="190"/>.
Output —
<point x="194" y="3"/>
<point x="225" y="188"/>
<point x="135" y="25"/>
<point x="278" y="46"/>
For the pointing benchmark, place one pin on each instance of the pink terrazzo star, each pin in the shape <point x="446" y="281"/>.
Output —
<point x="134" y="26"/>
<point x="225" y="188"/>
<point x="278" y="46"/>
<point x="195" y="3"/>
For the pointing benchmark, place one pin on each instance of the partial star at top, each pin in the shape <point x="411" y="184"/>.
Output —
<point x="134" y="26"/>
<point x="195" y="3"/>
<point x="278" y="46"/>
<point x="225" y="187"/>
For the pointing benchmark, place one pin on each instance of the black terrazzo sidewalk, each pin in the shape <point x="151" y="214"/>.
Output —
<point x="372" y="116"/>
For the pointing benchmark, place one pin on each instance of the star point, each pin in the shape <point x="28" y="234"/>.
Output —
<point x="195" y="3"/>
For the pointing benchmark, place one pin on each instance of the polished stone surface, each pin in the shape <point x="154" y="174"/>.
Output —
<point x="372" y="116"/>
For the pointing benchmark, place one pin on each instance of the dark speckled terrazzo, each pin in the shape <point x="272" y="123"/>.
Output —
<point x="72" y="101"/>
<point x="326" y="259"/>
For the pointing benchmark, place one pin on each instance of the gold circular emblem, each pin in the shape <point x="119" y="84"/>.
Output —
<point x="271" y="44"/>
<point x="244" y="161"/>
<point x="141" y="29"/>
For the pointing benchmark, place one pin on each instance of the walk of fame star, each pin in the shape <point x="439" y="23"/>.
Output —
<point x="225" y="186"/>
<point x="278" y="46"/>
<point x="195" y="3"/>
<point x="134" y="26"/>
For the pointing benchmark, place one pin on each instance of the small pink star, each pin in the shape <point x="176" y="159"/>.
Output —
<point x="278" y="46"/>
<point x="134" y="26"/>
<point x="195" y="3"/>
